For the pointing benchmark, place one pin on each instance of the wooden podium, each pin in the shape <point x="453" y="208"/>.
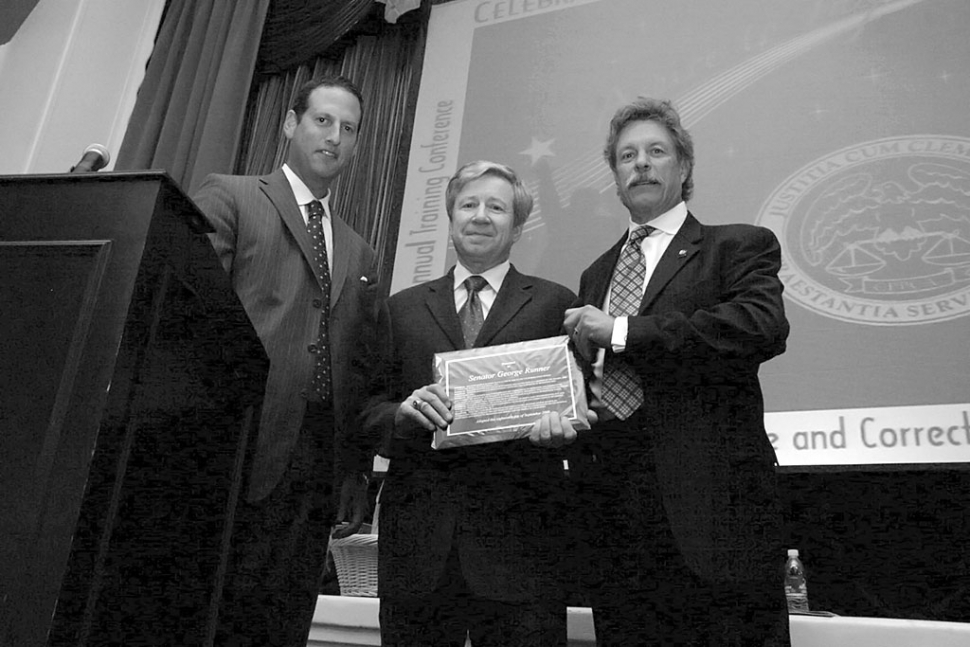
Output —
<point x="130" y="379"/>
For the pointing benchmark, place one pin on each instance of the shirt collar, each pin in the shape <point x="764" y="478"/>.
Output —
<point x="668" y="222"/>
<point x="495" y="275"/>
<point x="302" y="193"/>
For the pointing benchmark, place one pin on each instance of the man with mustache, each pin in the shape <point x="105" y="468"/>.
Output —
<point x="468" y="535"/>
<point x="309" y="285"/>
<point x="677" y="479"/>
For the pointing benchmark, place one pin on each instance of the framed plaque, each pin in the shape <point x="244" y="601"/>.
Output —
<point x="498" y="392"/>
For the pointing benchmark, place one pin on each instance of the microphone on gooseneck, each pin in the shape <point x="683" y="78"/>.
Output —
<point x="95" y="158"/>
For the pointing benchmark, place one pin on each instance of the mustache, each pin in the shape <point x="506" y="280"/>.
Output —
<point x="644" y="178"/>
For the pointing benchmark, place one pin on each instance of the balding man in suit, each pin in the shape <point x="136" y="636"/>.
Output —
<point x="309" y="284"/>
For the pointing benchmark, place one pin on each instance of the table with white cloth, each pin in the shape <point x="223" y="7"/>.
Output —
<point x="344" y="621"/>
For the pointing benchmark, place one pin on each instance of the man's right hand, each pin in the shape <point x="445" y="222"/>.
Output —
<point x="428" y="408"/>
<point x="590" y="329"/>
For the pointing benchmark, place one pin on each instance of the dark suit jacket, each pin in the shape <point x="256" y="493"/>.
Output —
<point x="262" y="241"/>
<point x="711" y="314"/>
<point x="492" y="502"/>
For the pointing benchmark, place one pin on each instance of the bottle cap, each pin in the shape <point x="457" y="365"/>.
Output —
<point x="793" y="552"/>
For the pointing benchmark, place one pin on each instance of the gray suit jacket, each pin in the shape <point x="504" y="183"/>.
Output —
<point x="262" y="242"/>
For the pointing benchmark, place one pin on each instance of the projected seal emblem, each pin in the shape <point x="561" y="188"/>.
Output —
<point x="879" y="232"/>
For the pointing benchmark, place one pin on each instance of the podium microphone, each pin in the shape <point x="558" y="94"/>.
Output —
<point x="95" y="158"/>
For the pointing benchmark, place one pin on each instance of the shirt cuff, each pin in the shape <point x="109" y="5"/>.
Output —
<point x="620" y="327"/>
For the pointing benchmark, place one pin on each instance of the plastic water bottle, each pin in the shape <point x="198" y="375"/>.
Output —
<point x="796" y="589"/>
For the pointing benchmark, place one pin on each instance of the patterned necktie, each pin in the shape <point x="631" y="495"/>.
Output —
<point x="322" y="376"/>
<point x="471" y="314"/>
<point x="622" y="392"/>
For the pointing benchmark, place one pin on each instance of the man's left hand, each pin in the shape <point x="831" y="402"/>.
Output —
<point x="552" y="430"/>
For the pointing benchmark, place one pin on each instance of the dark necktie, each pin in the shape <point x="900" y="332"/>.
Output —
<point x="322" y="376"/>
<point x="471" y="314"/>
<point x="622" y="391"/>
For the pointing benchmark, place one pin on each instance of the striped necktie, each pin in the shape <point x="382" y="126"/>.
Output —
<point x="471" y="313"/>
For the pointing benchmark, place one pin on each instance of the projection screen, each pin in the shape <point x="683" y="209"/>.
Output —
<point x="842" y="126"/>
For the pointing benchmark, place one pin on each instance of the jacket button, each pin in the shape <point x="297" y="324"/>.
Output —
<point x="317" y="303"/>
<point x="312" y="348"/>
<point x="304" y="394"/>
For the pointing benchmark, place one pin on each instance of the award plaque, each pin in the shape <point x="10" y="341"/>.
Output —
<point x="498" y="392"/>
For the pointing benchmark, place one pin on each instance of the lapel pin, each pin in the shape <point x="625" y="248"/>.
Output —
<point x="363" y="279"/>
<point x="682" y="253"/>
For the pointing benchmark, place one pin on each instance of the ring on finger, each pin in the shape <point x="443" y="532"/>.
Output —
<point x="416" y="403"/>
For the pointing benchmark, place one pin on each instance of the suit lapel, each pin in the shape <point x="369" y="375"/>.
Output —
<point x="278" y="190"/>
<point x="344" y="256"/>
<point x="280" y="193"/>
<point x="602" y="274"/>
<point x="516" y="292"/>
<point x="681" y="249"/>
<point x="440" y="300"/>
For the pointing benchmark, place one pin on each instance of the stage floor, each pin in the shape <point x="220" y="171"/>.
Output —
<point x="341" y="621"/>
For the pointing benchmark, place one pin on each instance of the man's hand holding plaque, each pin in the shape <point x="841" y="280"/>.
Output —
<point x="531" y="389"/>
<point x="428" y="408"/>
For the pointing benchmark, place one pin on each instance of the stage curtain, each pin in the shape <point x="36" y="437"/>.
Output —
<point x="297" y="31"/>
<point x="385" y="63"/>
<point x="191" y="105"/>
<point x="13" y="13"/>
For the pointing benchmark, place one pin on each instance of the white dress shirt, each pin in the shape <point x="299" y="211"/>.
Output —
<point x="495" y="277"/>
<point x="304" y="197"/>
<point x="653" y="246"/>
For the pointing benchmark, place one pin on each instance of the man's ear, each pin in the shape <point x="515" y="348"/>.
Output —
<point x="289" y="124"/>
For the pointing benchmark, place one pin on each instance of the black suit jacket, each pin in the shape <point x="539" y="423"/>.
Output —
<point x="263" y="243"/>
<point x="711" y="314"/>
<point x="492" y="502"/>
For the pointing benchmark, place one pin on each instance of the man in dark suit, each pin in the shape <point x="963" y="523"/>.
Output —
<point x="678" y="475"/>
<point x="465" y="532"/>
<point x="308" y="283"/>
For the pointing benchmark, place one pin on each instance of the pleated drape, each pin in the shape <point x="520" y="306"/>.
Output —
<point x="386" y="66"/>
<point x="191" y="105"/>
<point x="297" y="31"/>
<point x="215" y="96"/>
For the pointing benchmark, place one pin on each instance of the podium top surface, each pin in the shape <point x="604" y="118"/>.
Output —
<point x="28" y="199"/>
<point x="157" y="175"/>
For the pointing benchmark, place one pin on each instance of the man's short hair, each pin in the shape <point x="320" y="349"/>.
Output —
<point x="302" y="99"/>
<point x="662" y="112"/>
<point x="521" y="198"/>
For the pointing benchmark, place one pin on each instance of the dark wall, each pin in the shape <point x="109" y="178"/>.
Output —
<point x="883" y="543"/>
